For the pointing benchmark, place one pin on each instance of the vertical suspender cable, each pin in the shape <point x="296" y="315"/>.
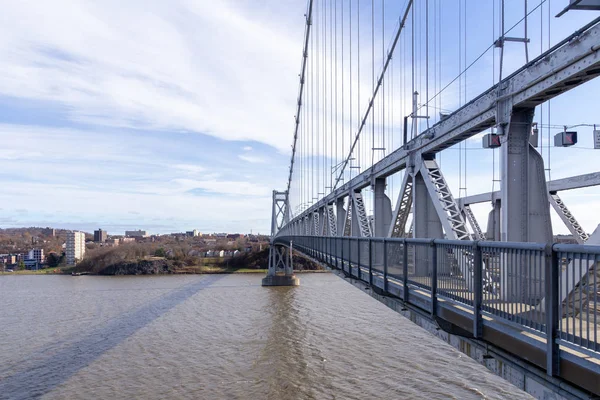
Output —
<point x="373" y="78"/>
<point x="331" y="85"/>
<point x="336" y="97"/>
<point x="465" y="88"/>
<point x="383" y="144"/>
<point x="549" y="100"/>
<point x="358" y="74"/>
<point x="325" y="98"/>
<point x="427" y="61"/>
<point x="312" y="117"/>
<point x="460" y="98"/>
<point x="350" y="81"/>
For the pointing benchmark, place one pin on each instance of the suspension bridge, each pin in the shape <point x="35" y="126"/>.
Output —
<point x="392" y="91"/>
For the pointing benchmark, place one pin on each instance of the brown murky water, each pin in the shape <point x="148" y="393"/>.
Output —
<point x="220" y="337"/>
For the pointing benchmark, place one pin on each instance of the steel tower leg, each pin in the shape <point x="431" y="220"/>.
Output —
<point x="525" y="208"/>
<point x="281" y="271"/>
<point x="340" y="215"/>
<point x="493" y="225"/>
<point x="426" y="224"/>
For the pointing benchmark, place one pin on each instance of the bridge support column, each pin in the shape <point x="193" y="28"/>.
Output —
<point x="525" y="209"/>
<point x="426" y="223"/>
<point x="493" y="225"/>
<point x="340" y="214"/>
<point x="382" y="209"/>
<point x="281" y="269"/>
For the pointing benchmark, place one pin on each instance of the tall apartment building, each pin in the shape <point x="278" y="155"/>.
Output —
<point x="49" y="232"/>
<point x="75" y="247"/>
<point x="100" y="236"/>
<point x="37" y="255"/>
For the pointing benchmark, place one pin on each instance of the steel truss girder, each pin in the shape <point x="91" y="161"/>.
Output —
<point x="332" y="231"/>
<point x="316" y="224"/>
<point x="447" y="209"/>
<point x="361" y="215"/>
<point x="403" y="208"/>
<point x="478" y="232"/>
<point x="569" y="219"/>
<point x="569" y="64"/>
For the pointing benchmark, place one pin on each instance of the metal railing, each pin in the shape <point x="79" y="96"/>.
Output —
<point x="552" y="291"/>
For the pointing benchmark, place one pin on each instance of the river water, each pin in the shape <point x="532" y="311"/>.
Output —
<point x="220" y="337"/>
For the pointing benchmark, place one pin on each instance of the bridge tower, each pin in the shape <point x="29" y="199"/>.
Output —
<point x="281" y="269"/>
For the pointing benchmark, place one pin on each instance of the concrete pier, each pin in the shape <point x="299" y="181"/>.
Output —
<point x="281" y="280"/>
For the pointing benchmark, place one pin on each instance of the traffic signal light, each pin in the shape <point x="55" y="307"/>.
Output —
<point x="491" y="141"/>
<point x="565" y="139"/>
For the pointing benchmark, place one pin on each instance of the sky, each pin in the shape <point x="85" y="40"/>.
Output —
<point x="178" y="115"/>
<point x="164" y="116"/>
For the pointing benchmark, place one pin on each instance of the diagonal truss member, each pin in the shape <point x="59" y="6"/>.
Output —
<point x="403" y="208"/>
<point x="477" y="231"/>
<point x="451" y="218"/>
<point x="331" y="220"/>
<point x="569" y="219"/>
<point x="361" y="214"/>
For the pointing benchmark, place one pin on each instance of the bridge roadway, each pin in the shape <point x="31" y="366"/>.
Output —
<point x="422" y="275"/>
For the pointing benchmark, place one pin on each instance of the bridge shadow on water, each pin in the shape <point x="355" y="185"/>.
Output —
<point x="40" y="375"/>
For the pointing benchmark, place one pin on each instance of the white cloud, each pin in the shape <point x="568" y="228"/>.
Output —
<point x="252" y="159"/>
<point x="192" y="169"/>
<point x="199" y="66"/>
<point x="247" y="148"/>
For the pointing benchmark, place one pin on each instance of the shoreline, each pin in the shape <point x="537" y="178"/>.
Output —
<point x="224" y="272"/>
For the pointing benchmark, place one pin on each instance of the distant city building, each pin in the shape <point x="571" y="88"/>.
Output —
<point x="128" y="239"/>
<point x="37" y="255"/>
<point x="49" y="232"/>
<point x="31" y="264"/>
<point x="8" y="259"/>
<point x="193" y="233"/>
<point x="100" y="236"/>
<point x="75" y="247"/>
<point x="138" y="233"/>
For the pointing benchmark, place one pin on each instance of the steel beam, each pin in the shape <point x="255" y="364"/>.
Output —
<point x="557" y="185"/>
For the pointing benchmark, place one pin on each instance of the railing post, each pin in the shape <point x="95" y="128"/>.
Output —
<point x="337" y="253"/>
<point x="358" y="258"/>
<point x="370" y="262"/>
<point x="552" y="300"/>
<point x="405" y="270"/>
<point x="385" y="266"/>
<point x="433" y="257"/>
<point x="477" y="291"/>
